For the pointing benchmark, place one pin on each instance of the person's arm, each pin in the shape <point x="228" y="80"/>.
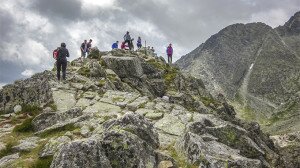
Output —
<point x="67" y="53"/>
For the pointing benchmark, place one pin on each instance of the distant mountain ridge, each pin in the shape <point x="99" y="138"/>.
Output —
<point x="256" y="67"/>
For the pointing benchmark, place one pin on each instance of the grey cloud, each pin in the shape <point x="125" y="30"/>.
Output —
<point x="60" y="9"/>
<point x="185" y="23"/>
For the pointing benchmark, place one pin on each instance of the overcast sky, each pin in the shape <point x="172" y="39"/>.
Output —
<point x="31" y="29"/>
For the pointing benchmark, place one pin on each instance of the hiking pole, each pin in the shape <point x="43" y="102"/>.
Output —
<point x="145" y="48"/>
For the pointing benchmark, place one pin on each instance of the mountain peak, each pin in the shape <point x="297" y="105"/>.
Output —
<point x="294" y="23"/>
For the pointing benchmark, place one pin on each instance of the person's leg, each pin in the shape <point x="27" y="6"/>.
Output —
<point x="171" y="59"/>
<point x="64" y="68"/>
<point x="58" y="68"/>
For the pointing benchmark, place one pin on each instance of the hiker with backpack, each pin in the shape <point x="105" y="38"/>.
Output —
<point x="61" y="63"/>
<point x="139" y="43"/>
<point x="84" y="48"/>
<point x="170" y="53"/>
<point x="115" y="45"/>
<point x="89" y="47"/>
<point x="128" y="40"/>
<point x="55" y="53"/>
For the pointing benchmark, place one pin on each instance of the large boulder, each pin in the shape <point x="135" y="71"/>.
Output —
<point x="34" y="91"/>
<point x="45" y="120"/>
<point x="124" y="66"/>
<point x="81" y="153"/>
<point x="138" y="125"/>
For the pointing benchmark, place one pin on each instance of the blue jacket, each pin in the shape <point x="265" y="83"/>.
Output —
<point x="114" y="45"/>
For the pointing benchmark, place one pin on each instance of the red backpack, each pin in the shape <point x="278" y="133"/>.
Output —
<point x="55" y="54"/>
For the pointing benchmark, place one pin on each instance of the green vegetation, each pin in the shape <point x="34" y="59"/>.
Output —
<point x="108" y="117"/>
<point x="231" y="137"/>
<point x="209" y="100"/>
<point x="26" y="126"/>
<point x="31" y="110"/>
<point x="102" y="63"/>
<point x="288" y="112"/>
<point x="157" y="64"/>
<point x="68" y="127"/>
<point x="180" y="160"/>
<point x="84" y="71"/>
<point x="170" y="74"/>
<point x="7" y="150"/>
<point x="112" y="78"/>
<point x="203" y="160"/>
<point x="53" y="107"/>
<point x="102" y="82"/>
<point x="42" y="162"/>
<point x="117" y="99"/>
<point x="94" y="54"/>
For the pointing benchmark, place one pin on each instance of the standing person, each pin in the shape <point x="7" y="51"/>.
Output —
<point x="139" y="43"/>
<point x="115" y="45"/>
<point x="61" y="64"/>
<point x="170" y="53"/>
<point x="83" y="48"/>
<point x="89" y="46"/>
<point x="127" y="39"/>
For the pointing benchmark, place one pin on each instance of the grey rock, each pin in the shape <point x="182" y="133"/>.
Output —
<point x="53" y="145"/>
<point x="81" y="153"/>
<point x="214" y="154"/>
<point x="135" y="124"/>
<point x="170" y="124"/>
<point x="85" y="131"/>
<point x="17" y="108"/>
<point x="64" y="100"/>
<point x="154" y="115"/>
<point x="124" y="66"/>
<point x="6" y="160"/>
<point x="33" y="91"/>
<point x="44" y="120"/>
<point x="133" y="106"/>
<point x="27" y="144"/>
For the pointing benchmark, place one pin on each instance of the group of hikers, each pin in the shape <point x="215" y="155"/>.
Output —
<point x="85" y="48"/>
<point x="61" y="53"/>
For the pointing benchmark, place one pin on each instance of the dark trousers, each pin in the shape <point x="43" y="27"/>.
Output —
<point x="61" y="65"/>
<point x="169" y="58"/>
<point x="129" y="44"/>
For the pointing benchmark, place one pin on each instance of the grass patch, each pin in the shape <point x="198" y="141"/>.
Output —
<point x="102" y="63"/>
<point x="42" y="162"/>
<point x="208" y="100"/>
<point x="106" y="118"/>
<point x="180" y="160"/>
<point x="7" y="150"/>
<point x="84" y="71"/>
<point x="53" y="107"/>
<point x="94" y="54"/>
<point x="157" y="64"/>
<point x="68" y="127"/>
<point x="26" y="126"/>
<point x="170" y="75"/>
<point x="32" y="110"/>
<point x="102" y="82"/>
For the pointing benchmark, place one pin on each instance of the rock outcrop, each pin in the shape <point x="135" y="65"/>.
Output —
<point x="128" y="109"/>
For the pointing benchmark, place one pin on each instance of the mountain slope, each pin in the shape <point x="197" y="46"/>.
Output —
<point x="253" y="65"/>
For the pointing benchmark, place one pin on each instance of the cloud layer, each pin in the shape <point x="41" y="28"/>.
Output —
<point x="30" y="30"/>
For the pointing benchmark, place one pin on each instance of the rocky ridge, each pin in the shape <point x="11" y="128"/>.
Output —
<point x="125" y="109"/>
